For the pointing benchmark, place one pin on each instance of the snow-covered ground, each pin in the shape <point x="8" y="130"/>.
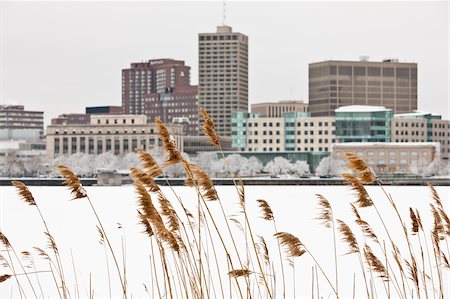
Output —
<point x="295" y="208"/>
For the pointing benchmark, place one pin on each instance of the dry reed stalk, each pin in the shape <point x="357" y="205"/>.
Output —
<point x="169" y="144"/>
<point x="73" y="183"/>
<point x="295" y="248"/>
<point x="10" y="264"/>
<point x="208" y="128"/>
<point x="365" y="175"/>
<point x="27" y="196"/>
<point x="267" y="214"/>
<point x="200" y="178"/>
<point x="414" y="275"/>
<point x="327" y="218"/>
<point x="8" y="245"/>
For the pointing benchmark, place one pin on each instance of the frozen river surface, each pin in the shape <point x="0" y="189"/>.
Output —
<point x="295" y="208"/>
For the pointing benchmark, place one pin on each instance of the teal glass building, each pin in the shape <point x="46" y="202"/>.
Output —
<point x="363" y="124"/>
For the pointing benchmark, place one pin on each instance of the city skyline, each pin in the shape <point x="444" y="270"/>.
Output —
<point x="62" y="69"/>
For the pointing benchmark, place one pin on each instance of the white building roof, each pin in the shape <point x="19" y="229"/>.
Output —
<point x="361" y="108"/>
<point x="385" y="144"/>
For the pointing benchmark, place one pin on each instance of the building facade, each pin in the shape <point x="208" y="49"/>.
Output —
<point x="223" y="75"/>
<point x="119" y="134"/>
<point x="161" y="89"/>
<point x="295" y="131"/>
<point x="333" y="84"/>
<point x="276" y="109"/>
<point x="422" y="127"/>
<point x="363" y="124"/>
<point x="390" y="157"/>
<point x="16" y="123"/>
<point x="71" y="119"/>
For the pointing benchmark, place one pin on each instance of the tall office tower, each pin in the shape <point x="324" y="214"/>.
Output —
<point x="389" y="83"/>
<point x="161" y="89"/>
<point x="223" y="75"/>
<point x="276" y="109"/>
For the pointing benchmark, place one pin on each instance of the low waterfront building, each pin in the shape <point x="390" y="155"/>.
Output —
<point x="294" y="131"/>
<point x="16" y="123"/>
<point x="422" y="127"/>
<point x="276" y="109"/>
<point x="192" y="145"/>
<point x="390" y="157"/>
<point x="22" y="157"/>
<point x="119" y="134"/>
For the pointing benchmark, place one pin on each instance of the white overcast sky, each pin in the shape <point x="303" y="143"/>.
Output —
<point x="62" y="56"/>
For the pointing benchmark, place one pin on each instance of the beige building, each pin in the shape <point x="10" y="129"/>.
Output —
<point x="276" y="109"/>
<point x="389" y="83"/>
<point x="223" y="75"/>
<point x="422" y="127"/>
<point x="390" y="157"/>
<point x="119" y="134"/>
<point x="302" y="134"/>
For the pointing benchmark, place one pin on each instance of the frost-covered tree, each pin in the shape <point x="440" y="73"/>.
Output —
<point x="330" y="166"/>
<point x="218" y="168"/>
<point x="300" y="168"/>
<point x="278" y="166"/>
<point x="251" y="167"/>
<point x="437" y="167"/>
<point x="205" y="160"/>
<point x="234" y="163"/>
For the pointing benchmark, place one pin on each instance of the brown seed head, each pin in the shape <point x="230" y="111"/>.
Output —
<point x="169" y="144"/>
<point x="239" y="273"/>
<point x="24" y="192"/>
<point x="363" y="198"/>
<point x="208" y="127"/>
<point x="326" y="213"/>
<point x="266" y="210"/>
<point x="292" y="244"/>
<point x="4" y="277"/>
<point x="149" y="163"/>
<point x="348" y="237"/>
<point x="355" y="163"/>
<point x="375" y="263"/>
<point x="72" y="182"/>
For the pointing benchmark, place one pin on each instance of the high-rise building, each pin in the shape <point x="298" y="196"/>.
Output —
<point x="223" y="75"/>
<point x="276" y="109"/>
<point x="17" y="123"/>
<point x="160" y="89"/>
<point x="389" y="83"/>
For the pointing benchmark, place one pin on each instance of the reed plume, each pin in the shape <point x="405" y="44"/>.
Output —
<point x="363" y="198"/>
<point x="196" y="176"/>
<point x="374" y="263"/>
<point x="147" y="227"/>
<point x="292" y="244"/>
<point x="154" y="218"/>
<point x="145" y="178"/>
<point x="364" y="226"/>
<point x="149" y="163"/>
<point x="208" y="128"/>
<point x="326" y="214"/>
<point x="239" y="273"/>
<point x="264" y="250"/>
<point x="4" y="277"/>
<point x="24" y="192"/>
<point x="266" y="210"/>
<point x="169" y="144"/>
<point x="348" y="237"/>
<point x="72" y="182"/>
<point x="414" y="221"/>
<point x="355" y="163"/>
<point x="168" y="211"/>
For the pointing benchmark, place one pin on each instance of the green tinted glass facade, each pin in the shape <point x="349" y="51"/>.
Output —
<point x="239" y="128"/>
<point x="364" y="126"/>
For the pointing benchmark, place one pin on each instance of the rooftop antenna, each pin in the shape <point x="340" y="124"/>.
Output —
<point x="224" y="12"/>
